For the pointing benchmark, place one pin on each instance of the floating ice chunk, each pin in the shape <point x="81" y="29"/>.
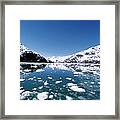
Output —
<point x="92" y="92"/>
<point x="81" y="98"/>
<point x="85" y="82"/>
<point x="27" y="70"/>
<point x="22" y="79"/>
<point x="71" y="84"/>
<point x="77" y="89"/>
<point x="42" y="96"/>
<point x="39" y="78"/>
<point x="68" y="98"/>
<point x="90" y="86"/>
<point x="25" y="94"/>
<point x="58" y="82"/>
<point x="46" y="83"/>
<point x="60" y="77"/>
<point x="49" y="77"/>
<point x="40" y="70"/>
<point x="34" y="98"/>
<point x="34" y="77"/>
<point x="51" y="96"/>
<point x="68" y="78"/>
<point x="34" y="88"/>
<point x="40" y="87"/>
<point x="92" y="82"/>
<point x="76" y="73"/>
<point x="30" y="79"/>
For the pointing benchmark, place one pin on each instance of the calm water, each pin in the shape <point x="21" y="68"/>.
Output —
<point x="59" y="82"/>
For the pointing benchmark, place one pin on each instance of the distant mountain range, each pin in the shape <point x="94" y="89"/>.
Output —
<point x="90" y="55"/>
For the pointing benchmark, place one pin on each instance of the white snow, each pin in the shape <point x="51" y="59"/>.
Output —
<point x="25" y="49"/>
<point x="58" y="58"/>
<point x="92" y="53"/>
<point x="58" y="66"/>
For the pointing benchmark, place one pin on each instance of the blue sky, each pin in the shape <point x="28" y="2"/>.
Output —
<point x="59" y="37"/>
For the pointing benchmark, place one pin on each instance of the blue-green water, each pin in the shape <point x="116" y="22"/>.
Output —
<point x="58" y="82"/>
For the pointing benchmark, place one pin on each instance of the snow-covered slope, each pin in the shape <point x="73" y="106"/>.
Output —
<point x="90" y="55"/>
<point x="24" y="49"/>
<point x="59" y="58"/>
<point x="27" y="55"/>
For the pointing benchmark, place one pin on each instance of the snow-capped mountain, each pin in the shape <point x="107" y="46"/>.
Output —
<point x="27" y="55"/>
<point x="90" y="55"/>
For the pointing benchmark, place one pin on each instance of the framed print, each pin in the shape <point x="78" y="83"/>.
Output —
<point x="59" y="59"/>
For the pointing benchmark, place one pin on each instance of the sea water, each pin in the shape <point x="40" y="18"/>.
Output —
<point x="60" y="82"/>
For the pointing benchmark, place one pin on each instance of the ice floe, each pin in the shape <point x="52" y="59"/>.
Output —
<point x="30" y="79"/>
<point x="22" y="79"/>
<point x="49" y="77"/>
<point x="58" y="82"/>
<point x="40" y="87"/>
<point x="68" y="78"/>
<point x="34" y="88"/>
<point x="27" y="70"/>
<point x="50" y="96"/>
<point x="26" y="94"/>
<point x="46" y="83"/>
<point x="77" y="89"/>
<point x="68" y="98"/>
<point x="42" y="96"/>
<point x="92" y="82"/>
<point x="40" y="70"/>
<point x="71" y="84"/>
<point x="76" y="73"/>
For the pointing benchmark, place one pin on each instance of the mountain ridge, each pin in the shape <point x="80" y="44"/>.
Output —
<point x="90" y="55"/>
